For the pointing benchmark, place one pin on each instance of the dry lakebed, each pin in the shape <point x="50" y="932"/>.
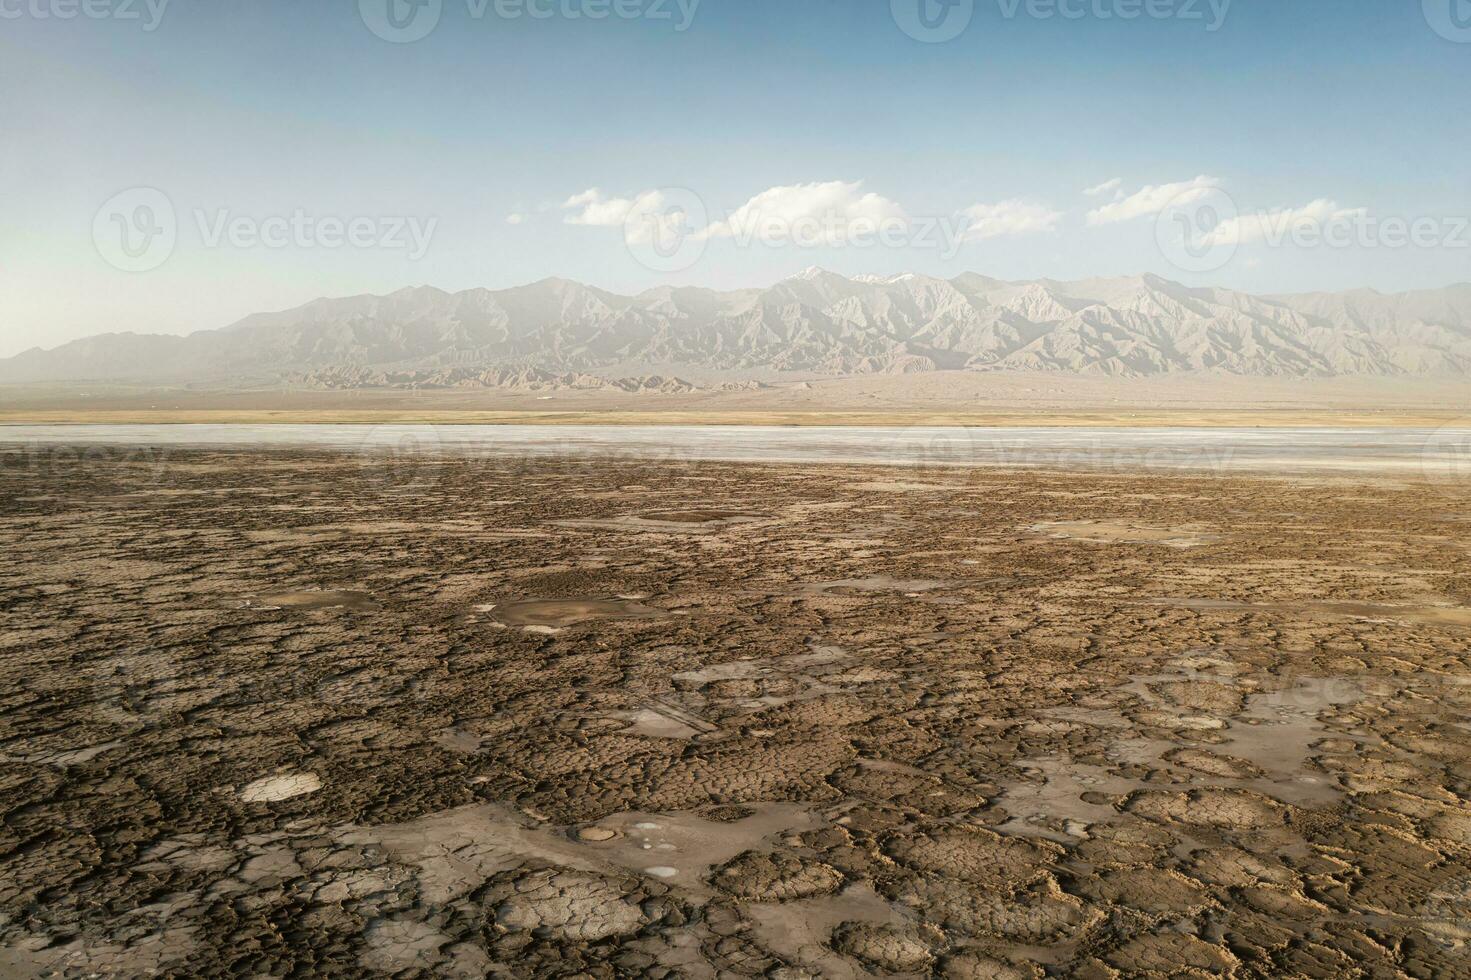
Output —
<point x="298" y="712"/>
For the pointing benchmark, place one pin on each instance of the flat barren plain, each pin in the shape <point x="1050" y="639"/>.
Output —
<point x="937" y="398"/>
<point x="298" y="714"/>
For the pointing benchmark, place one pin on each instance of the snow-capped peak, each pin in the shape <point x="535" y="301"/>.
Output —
<point x="874" y="280"/>
<point x="812" y="272"/>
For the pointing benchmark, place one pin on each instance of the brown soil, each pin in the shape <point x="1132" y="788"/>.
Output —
<point x="296" y="714"/>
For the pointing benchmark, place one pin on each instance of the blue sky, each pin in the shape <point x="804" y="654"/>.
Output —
<point x="251" y="110"/>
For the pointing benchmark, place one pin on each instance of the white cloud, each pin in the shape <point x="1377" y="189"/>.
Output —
<point x="515" y="218"/>
<point x="1154" y="199"/>
<point x="1278" y="226"/>
<point x="641" y="217"/>
<point x="1107" y="187"/>
<point x="835" y="213"/>
<point x="593" y="209"/>
<point x="827" y="213"/>
<point x="1007" y="218"/>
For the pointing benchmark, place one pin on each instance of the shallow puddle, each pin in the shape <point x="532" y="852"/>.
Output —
<point x="801" y="930"/>
<point x="557" y="613"/>
<point x="1277" y="731"/>
<point x="699" y="517"/>
<point x="1053" y="807"/>
<point x="310" y="601"/>
<point x="1273" y="731"/>
<point x="684" y="847"/>
<point x="769" y="683"/>
<point x="659" y="719"/>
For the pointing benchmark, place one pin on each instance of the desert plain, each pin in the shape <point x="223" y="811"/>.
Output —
<point x="299" y="713"/>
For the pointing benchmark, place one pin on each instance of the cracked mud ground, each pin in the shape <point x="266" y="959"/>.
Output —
<point x="285" y="714"/>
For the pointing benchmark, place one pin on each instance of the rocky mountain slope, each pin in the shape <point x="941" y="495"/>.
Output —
<point x="556" y="333"/>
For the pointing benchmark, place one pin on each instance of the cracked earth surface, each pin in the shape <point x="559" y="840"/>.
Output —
<point x="293" y="714"/>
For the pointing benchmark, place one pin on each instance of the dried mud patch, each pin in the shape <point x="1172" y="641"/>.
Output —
<point x="776" y="877"/>
<point x="1123" y="532"/>
<point x="1224" y="810"/>
<point x="771" y="722"/>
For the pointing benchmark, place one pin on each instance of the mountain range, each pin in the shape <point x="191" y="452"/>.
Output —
<point x="557" y="333"/>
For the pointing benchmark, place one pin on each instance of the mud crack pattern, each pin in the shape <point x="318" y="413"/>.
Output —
<point x="298" y="714"/>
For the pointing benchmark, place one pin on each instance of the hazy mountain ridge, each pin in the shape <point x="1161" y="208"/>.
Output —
<point x="557" y="333"/>
<point x="509" y="378"/>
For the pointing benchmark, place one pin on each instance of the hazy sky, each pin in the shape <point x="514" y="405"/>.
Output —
<point x="287" y="151"/>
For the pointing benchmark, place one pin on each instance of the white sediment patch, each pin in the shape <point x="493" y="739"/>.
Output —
<point x="284" y="787"/>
